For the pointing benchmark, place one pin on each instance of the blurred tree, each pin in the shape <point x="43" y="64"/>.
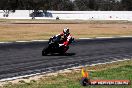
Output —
<point x="126" y="5"/>
<point x="69" y="5"/>
<point x="81" y="5"/>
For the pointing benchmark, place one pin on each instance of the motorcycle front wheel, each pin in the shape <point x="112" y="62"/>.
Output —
<point x="45" y="51"/>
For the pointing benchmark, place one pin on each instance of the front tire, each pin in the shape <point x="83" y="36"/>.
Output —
<point x="45" y="51"/>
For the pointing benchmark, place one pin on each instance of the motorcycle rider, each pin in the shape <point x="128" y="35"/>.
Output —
<point x="59" y="43"/>
<point x="67" y="36"/>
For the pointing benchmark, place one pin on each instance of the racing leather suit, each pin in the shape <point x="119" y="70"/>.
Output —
<point x="67" y="37"/>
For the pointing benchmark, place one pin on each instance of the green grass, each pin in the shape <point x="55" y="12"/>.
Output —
<point x="118" y="70"/>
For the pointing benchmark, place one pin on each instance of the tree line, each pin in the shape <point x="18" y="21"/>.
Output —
<point x="67" y="5"/>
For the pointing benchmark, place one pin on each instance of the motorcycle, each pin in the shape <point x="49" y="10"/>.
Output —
<point x="54" y="48"/>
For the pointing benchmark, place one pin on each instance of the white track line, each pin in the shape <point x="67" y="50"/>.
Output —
<point x="4" y="42"/>
<point x="38" y="40"/>
<point x="108" y="37"/>
<point x="23" y="41"/>
<point x="86" y="38"/>
<point x="104" y="37"/>
<point x="79" y="38"/>
<point x="108" y="62"/>
<point x="126" y="36"/>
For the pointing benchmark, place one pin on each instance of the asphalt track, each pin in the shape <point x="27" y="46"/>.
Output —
<point x="18" y="59"/>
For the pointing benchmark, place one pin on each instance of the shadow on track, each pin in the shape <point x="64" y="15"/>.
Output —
<point x="66" y="54"/>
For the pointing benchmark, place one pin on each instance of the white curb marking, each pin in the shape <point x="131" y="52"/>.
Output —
<point x="79" y="38"/>
<point x="4" y="42"/>
<point x="38" y="40"/>
<point x="108" y="37"/>
<point x="86" y="38"/>
<point x="23" y="41"/>
<point x="18" y="77"/>
<point x="104" y="37"/>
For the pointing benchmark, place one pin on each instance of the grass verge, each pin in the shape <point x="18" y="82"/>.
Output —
<point x="116" y="70"/>
<point x="21" y="30"/>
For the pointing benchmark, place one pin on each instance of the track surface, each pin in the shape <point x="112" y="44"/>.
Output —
<point x="17" y="59"/>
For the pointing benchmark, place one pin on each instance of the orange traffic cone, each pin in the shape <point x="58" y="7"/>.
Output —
<point x="85" y="77"/>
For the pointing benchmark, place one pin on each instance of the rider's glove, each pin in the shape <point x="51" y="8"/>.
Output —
<point x="61" y="45"/>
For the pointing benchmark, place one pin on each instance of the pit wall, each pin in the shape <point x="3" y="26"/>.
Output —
<point x="71" y="15"/>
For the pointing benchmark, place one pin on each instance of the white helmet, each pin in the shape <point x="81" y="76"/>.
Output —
<point x="66" y="31"/>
